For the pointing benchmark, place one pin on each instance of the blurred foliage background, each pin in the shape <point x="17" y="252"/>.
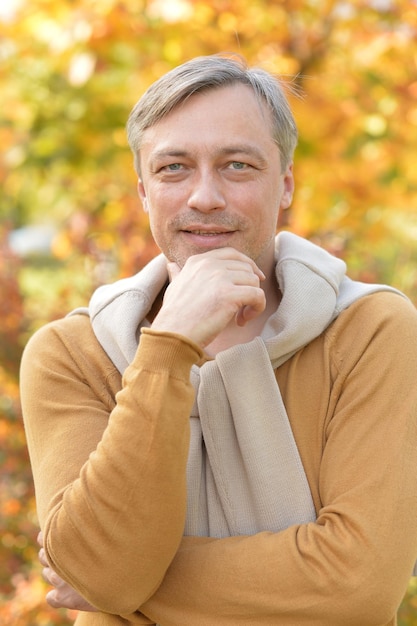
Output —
<point x="70" y="71"/>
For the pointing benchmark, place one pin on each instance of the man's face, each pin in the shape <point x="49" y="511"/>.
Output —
<point x="211" y="177"/>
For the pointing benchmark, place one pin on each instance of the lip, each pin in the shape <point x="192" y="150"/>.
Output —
<point x="207" y="236"/>
<point x="207" y="229"/>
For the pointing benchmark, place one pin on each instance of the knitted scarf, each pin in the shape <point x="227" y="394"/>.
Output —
<point x="244" y="471"/>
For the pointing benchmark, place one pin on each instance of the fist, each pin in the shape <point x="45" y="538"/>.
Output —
<point x="211" y="291"/>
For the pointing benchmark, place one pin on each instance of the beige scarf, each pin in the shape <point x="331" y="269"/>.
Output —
<point x="244" y="471"/>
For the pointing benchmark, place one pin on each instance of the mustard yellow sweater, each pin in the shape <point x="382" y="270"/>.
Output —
<point x="109" y="459"/>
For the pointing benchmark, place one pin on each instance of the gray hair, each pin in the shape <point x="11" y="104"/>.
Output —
<point x="211" y="72"/>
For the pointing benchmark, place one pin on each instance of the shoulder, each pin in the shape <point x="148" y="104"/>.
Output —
<point x="67" y="330"/>
<point x="377" y="311"/>
<point x="384" y="323"/>
<point x="68" y="342"/>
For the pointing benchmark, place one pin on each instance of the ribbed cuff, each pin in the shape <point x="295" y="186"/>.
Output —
<point x="170" y="351"/>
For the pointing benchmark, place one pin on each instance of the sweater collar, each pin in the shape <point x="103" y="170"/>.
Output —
<point x="314" y="289"/>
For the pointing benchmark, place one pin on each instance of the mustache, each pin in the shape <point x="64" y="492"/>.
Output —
<point x="229" y="222"/>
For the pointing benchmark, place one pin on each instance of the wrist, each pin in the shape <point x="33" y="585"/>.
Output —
<point x="166" y="349"/>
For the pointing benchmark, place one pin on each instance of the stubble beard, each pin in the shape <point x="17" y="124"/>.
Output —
<point x="257" y="253"/>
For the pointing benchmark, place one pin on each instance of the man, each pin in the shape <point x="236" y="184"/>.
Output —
<point x="228" y="437"/>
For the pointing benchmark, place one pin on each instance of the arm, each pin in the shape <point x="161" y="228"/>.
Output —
<point x="108" y="482"/>
<point x="110" y="477"/>
<point x="351" y="566"/>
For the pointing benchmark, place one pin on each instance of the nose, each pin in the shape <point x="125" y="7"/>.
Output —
<point x="206" y="193"/>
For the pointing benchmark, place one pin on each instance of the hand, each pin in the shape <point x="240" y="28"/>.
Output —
<point x="211" y="290"/>
<point x="63" y="596"/>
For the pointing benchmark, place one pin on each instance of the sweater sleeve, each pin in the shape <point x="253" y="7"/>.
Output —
<point x="352" y="565"/>
<point x="110" y="484"/>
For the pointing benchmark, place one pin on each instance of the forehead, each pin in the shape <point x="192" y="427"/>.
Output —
<point x="227" y="113"/>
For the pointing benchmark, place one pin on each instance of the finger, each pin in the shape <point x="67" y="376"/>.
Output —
<point x="54" y="601"/>
<point x="52" y="578"/>
<point x="45" y="574"/>
<point x="247" y="266"/>
<point x="246" y="314"/>
<point x="50" y="598"/>
<point x="233" y="254"/>
<point x="42" y="557"/>
<point x="250" y="311"/>
<point x="258" y="272"/>
<point x="68" y="598"/>
<point x="229" y="255"/>
<point x="49" y="576"/>
<point x="39" y="538"/>
<point x="243" y="277"/>
<point x="56" y="580"/>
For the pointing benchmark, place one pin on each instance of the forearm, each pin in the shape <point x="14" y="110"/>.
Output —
<point x="273" y="578"/>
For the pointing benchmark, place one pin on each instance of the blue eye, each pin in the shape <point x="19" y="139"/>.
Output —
<point x="238" y="165"/>
<point x="173" y="167"/>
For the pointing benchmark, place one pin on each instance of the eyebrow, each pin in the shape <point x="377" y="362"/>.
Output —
<point x="249" y="149"/>
<point x="161" y="154"/>
<point x="245" y="149"/>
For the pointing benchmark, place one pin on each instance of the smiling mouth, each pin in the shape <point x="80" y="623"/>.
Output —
<point x="208" y="233"/>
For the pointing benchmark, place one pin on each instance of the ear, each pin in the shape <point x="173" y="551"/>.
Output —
<point x="288" y="191"/>
<point x="142" y="195"/>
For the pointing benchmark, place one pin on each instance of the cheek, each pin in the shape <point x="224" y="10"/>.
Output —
<point x="265" y="215"/>
<point x="161" y="213"/>
<point x="157" y="223"/>
<point x="163" y="202"/>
